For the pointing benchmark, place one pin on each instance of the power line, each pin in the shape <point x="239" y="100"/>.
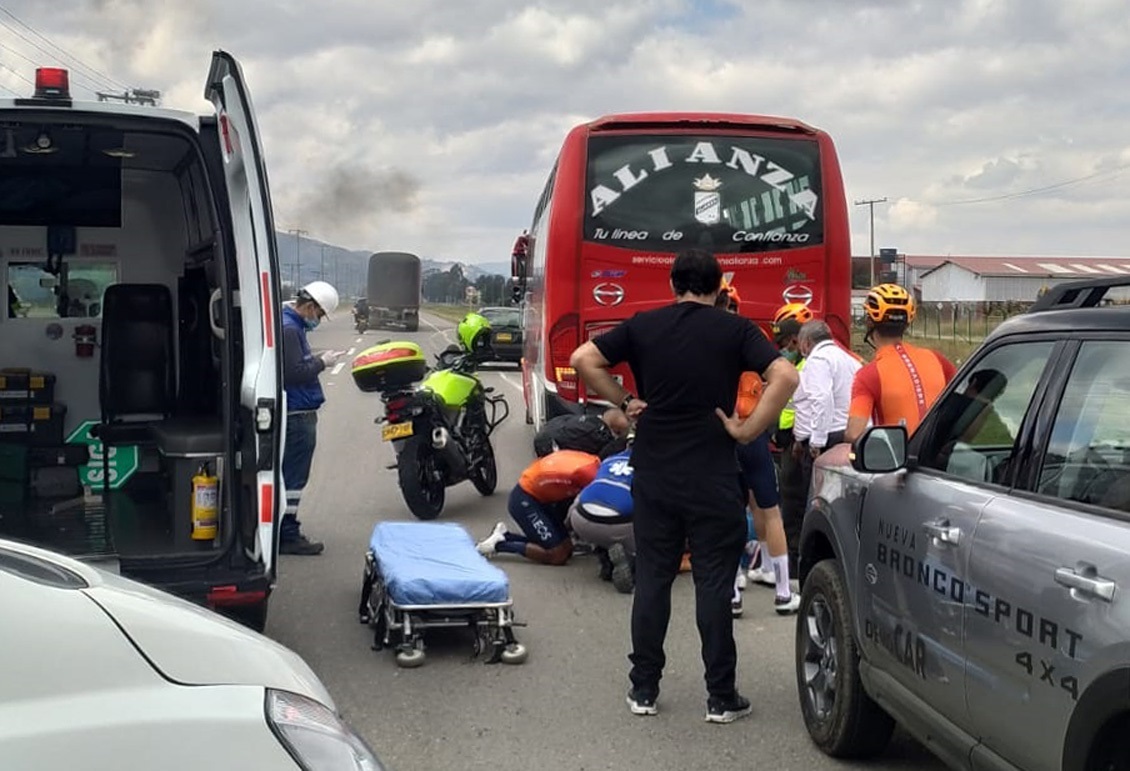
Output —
<point x="1033" y="191"/>
<point x="34" y="63"/>
<point x="18" y="75"/>
<point x="33" y="44"/>
<point x="75" y="59"/>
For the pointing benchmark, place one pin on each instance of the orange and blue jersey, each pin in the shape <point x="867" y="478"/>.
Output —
<point x="559" y="476"/>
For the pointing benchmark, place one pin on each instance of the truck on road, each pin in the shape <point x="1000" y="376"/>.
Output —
<point x="394" y="290"/>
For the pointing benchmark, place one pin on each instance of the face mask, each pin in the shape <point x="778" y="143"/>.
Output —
<point x="312" y="324"/>
<point x="792" y="356"/>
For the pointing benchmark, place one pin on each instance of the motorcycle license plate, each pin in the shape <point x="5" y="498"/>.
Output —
<point x="503" y="337"/>
<point x="396" y="431"/>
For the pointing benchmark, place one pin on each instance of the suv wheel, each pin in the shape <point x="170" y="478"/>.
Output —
<point x="840" y="717"/>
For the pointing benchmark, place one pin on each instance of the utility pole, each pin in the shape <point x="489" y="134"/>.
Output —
<point x="871" y="204"/>
<point x="298" y="233"/>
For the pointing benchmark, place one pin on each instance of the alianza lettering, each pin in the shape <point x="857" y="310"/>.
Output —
<point x="757" y="166"/>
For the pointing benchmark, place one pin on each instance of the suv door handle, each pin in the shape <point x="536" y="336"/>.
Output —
<point x="1098" y="586"/>
<point x="943" y="532"/>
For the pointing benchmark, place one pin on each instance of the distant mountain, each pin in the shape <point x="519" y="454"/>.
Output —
<point x="347" y="269"/>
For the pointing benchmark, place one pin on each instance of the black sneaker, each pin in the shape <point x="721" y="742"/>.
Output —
<point x="719" y="710"/>
<point x="623" y="577"/>
<point x="301" y="545"/>
<point x="605" y="564"/>
<point x="641" y="703"/>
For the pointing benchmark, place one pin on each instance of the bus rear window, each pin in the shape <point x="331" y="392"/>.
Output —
<point x="719" y="193"/>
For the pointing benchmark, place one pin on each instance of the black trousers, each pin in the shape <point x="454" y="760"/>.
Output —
<point x="803" y="483"/>
<point x="709" y="515"/>
<point x="794" y="496"/>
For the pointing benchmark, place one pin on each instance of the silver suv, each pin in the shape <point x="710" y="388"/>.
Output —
<point x="967" y="581"/>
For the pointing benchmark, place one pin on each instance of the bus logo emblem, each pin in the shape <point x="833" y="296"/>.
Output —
<point x="608" y="294"/>
<point x="707" y="200"/>
<point x="797" y="293"/>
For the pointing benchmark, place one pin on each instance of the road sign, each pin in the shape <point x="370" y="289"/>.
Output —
<point x="122" y="459"/>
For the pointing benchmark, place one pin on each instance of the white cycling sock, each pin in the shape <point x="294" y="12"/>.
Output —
<point x="781" y="573"/>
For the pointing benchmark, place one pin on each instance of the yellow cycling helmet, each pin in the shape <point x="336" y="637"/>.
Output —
<point x="889" y="303"/>
<point x="798" y="312"/>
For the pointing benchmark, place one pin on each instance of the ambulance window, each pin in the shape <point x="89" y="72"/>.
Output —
<point x="35" y="293"/>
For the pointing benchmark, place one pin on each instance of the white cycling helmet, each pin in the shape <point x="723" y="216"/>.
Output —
<point x="323" y="294"/>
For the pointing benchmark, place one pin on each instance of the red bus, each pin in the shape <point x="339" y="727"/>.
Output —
<point x="629" y="191"/>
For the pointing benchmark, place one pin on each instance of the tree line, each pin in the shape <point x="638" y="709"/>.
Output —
<point x="450" y="286"/>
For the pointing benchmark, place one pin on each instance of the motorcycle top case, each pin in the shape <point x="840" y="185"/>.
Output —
<point x="389" y="365"/>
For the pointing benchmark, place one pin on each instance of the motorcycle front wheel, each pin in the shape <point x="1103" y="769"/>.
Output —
<point x="484" y="474"/>
<point x="421" y="484"/>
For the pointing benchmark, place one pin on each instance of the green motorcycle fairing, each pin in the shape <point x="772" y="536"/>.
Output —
<point x="452" y="388"/>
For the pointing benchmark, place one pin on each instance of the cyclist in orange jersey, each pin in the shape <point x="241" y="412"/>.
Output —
<point x="539" y="504"/>
<point x="902" y="381"/>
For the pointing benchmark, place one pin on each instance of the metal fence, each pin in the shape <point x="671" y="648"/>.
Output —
<point x="967" y="321"/>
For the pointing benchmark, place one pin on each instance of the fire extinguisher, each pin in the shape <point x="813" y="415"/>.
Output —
<point x="205" y="504"/>
<point x="86" y="337"/>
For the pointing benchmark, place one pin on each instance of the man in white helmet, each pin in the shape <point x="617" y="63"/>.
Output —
<point x="316" y="301"/>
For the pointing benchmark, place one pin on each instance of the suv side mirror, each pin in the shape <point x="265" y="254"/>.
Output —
<point x="881" y="450"/>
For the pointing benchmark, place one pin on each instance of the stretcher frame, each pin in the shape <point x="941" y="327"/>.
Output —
<point x="402" y="626"/>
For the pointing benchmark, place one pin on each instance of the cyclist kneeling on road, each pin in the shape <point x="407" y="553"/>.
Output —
<point x="539" y="503"/>
<point x="602" y="516"/>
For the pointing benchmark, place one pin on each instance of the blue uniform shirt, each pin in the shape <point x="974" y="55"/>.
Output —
<point x="609" y="496"/>
<point x="300" y="367"/>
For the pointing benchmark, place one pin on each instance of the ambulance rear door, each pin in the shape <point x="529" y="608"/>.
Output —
<point x="261" y="395"/>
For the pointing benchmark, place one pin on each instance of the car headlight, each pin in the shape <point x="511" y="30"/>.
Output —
<point x="316" y="737"/>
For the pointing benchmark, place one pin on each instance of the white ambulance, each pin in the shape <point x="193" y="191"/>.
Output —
<point x="141" y="406"/>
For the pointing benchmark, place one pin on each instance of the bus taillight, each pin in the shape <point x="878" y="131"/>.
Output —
<point x="564" y="338"/>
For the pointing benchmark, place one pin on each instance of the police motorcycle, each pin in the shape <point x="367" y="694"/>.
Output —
<point x="439" y="429"/>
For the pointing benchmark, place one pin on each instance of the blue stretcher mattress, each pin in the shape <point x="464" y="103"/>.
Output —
<point x="435" y="563"/>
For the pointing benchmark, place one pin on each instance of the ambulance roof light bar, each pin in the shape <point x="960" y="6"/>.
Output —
<point x="52" y="83"/>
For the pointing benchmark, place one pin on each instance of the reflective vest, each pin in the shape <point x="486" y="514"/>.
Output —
<point x="788" y="415"/>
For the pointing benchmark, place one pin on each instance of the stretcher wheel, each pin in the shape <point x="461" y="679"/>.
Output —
<point x="410" y="659"/>
<point x="515" y="653"/>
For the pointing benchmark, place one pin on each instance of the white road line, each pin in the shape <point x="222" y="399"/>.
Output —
<point x="337" y="368"/>
<point x="439" y="331"/>
<point x="518" y="386"/>
<point x="358" y="339"/>
<point x="350" y="351"/>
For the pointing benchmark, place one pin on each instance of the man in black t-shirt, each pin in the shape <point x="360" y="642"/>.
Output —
<point x="686" y="359"/>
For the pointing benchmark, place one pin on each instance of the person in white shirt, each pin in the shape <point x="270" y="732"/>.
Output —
<point x="823" y="396"/>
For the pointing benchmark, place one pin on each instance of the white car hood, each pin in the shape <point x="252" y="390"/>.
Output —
<point x="191" y="645"/>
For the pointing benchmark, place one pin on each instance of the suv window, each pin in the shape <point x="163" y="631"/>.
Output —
<point x="1088" y="456"/>
<point x="977" y="422"/>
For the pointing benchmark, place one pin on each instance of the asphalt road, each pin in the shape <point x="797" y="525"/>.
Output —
<point x="564" y="708"/>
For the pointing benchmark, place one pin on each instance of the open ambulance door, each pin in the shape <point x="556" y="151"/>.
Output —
<point x="261" y="396"/>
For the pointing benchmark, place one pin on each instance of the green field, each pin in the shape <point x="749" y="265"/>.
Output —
<point x="449" y="312"/>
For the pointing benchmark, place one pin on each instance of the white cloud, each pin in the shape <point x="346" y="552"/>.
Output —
<point x="431" y="126"/>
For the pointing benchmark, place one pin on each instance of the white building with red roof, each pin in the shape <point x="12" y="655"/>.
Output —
<point x="942" y="278"/>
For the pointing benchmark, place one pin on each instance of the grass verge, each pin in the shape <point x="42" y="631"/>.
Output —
<point x="449" y="312"/>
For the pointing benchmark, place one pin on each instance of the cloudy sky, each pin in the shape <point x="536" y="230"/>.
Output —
<point x="991" y="126"/>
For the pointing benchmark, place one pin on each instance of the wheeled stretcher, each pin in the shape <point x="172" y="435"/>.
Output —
<point x="422" y="575"/>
